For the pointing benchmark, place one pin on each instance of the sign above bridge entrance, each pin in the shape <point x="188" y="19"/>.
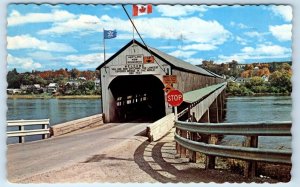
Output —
<point x="169" y="79"/>
<point x="174" y="98"/>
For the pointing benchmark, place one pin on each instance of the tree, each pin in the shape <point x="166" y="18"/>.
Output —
<point x="13" y="79"/>
<point x="75" y="73"/>
<point x="281" y="80"/>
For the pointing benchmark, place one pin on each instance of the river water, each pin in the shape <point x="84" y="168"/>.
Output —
<point x="254" y="109"/>
<point x="239" y="109"/>
<point x="57" y="110"/>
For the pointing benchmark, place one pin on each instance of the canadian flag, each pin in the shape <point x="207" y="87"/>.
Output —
<point x="138" y="10"/>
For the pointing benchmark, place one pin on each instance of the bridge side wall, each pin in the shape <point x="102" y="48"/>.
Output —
<point x="187" y="81"/>
<point x="75" y="125"/>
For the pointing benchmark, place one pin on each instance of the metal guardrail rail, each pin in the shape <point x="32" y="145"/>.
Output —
<point x="265" y="128"/>
<point x="244" y="153"/>
<point x="250" y="153"/>
<point x="21" y="133"/>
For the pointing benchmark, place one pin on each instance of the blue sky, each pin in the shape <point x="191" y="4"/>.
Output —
<point x="48" y="37"/>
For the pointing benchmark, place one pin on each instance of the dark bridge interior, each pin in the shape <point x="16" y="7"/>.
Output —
<point x="138" y="97"/>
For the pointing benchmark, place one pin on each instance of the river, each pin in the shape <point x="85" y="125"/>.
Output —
<point x="239" y="109"/>
<point x="57" y="110"/>
<point x="263" y="108"/>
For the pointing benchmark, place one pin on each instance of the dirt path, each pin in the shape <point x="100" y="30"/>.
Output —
<point x="137" y="160"/>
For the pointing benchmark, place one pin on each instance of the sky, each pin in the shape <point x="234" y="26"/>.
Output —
<point x="50" y="37"/>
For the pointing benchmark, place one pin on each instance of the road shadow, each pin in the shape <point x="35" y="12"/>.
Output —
<point x="101" y="157"/>
<point x="158" y="159"/>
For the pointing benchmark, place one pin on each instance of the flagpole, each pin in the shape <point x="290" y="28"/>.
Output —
<point x="104" y="44"/>
<point x="132" y="28"/>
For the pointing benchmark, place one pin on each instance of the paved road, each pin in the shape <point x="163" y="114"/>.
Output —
<point x="32" y="158"/>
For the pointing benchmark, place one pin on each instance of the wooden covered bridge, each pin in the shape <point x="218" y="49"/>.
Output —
<point x="132" y="82"/>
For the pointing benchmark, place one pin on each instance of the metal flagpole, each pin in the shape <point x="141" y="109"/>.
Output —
<point x="132" y="28"/>
<point x="104" y="44"/>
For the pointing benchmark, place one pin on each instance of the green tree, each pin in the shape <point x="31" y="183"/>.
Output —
<point x="13" y="79"/>
<point x="75" y="73"/>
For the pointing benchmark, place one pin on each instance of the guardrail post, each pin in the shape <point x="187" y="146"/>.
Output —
<point x="183" y="150"/>
<point x="178" y="147"/>
<point x="21" y="138"/>
<point x="45" y="126"/>
<point x="250" y="166"/>
<point x="193" y="137"/>
<point x="210" y="160"/>
<point x="192" y="154"/>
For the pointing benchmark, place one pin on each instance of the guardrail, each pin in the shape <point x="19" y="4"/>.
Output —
<point x="186" y="132"/>
<point x="21" y="133"/>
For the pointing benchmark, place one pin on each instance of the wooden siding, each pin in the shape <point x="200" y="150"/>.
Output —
<point x="190" y="81"/>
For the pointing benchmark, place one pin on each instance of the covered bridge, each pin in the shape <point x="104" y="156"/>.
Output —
<point x="132" y="82"/>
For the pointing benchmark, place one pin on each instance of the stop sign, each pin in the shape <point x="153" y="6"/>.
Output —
<point x="174" y="98"/>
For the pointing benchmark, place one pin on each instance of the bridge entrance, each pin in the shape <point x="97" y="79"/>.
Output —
<point x="137" y="97"/>
<point x="132" y="82"/>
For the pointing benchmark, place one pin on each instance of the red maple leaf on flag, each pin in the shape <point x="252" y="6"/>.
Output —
<point x="138" y="10"/>
<point x="142" y="9"/>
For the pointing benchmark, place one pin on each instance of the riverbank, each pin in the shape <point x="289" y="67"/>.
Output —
<point x="258" y="94"/>
<point x="54" y="97"/>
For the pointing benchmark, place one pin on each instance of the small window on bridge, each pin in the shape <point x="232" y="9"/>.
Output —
<point x="129" y="99"/>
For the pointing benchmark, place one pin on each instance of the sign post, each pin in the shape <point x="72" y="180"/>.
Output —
<point x="175" y="98"/>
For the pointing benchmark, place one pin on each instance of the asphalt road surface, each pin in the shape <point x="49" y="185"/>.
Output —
<point x="32" y="158"/>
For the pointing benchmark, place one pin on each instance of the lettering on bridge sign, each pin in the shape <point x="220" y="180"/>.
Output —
<point x="169" y="79"/>
<point x="134" y="59"/>
<point x="134" y="69"/>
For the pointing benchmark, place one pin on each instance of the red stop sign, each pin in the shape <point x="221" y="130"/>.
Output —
<point x="174" y="98"/>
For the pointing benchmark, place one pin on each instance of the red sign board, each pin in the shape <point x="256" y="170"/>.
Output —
<point x="169" y="79"/>
<point x="174" y="98"/>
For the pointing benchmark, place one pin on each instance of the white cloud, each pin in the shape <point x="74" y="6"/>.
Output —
<point x="85" y="61"/>
<point x="167" y="47"/>
<point x="285" y="11"/>
<point x="182" y="54"/>
<point x="253" y="34"/>
<point x="241" y="41"/>
<point x="258" y="35"/>
<point x="28" y="42"/>
<point x="23" y="63"/>
<point x="43" y="56"/>
<point x="200" y="47"/>
<point x="179" y="10"/>
<point x="15" y="18"/>
<point x="192" y="29"/>
<point x="281" y="32"/>
<point x="194" y="61"/>
<point x="239" y="25"/>
<point x="261" y="51"/>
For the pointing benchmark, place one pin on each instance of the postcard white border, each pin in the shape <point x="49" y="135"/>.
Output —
<point x="295" y="95"/>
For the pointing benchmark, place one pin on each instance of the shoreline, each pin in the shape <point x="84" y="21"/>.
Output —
<point x="259" y="94"/>
<point x="53" y="97"/>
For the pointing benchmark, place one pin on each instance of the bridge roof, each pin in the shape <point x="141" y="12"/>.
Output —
<point x="171" y="60"/>
<point x="195" y="95"/>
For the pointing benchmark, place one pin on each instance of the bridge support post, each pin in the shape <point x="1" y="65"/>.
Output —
<point x="250" y="166"/>
<point x="224" y="104"/>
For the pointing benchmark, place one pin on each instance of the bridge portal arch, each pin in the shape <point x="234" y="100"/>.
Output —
<point x="136" y="97"/>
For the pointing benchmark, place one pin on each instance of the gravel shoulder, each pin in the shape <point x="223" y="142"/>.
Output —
<point x="135" y="160"/>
